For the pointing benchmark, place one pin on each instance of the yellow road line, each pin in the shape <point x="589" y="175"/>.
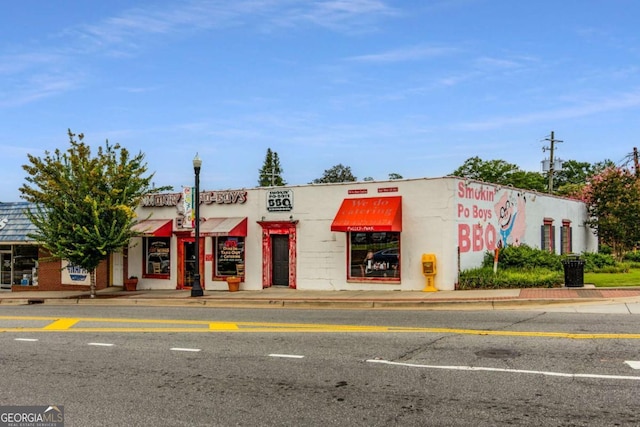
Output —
<point x="165" y="326"/>
<point x="61" y="324"/>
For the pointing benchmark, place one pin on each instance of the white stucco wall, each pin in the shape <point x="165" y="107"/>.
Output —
<point x="433" y="215"/>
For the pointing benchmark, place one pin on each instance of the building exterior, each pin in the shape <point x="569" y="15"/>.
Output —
<point x="348" y="236"/>
<point x="25" y="266"/>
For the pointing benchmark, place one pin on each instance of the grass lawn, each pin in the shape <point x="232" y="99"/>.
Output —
<point x="610" y="280"/>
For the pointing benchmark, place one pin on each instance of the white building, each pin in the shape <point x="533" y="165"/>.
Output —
<point x="319" y="236"/>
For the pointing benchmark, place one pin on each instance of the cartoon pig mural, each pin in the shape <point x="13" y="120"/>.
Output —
<point x="511" y="214"/>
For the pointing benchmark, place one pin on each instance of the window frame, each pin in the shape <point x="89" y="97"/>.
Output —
<point x="240" y="242"/>
<point x="147" y="242"/>
<point x="380" y="271"/>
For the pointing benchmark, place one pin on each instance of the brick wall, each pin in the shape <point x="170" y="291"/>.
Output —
<point x="50" y="276"/>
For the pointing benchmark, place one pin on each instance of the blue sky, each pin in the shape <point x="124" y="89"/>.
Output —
<point x="382" y="86"/>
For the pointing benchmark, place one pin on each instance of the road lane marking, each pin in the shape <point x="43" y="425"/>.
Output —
<point x="222" y="326"/>
<point x="122" y="325"/>
<point x="291" y="356"/>
<point x="634" y="364"/>
<point x="185" y="349"/>
<point x="61" y="324"/>
<point x="513" y="371"/>
<point x="101" y="344"/>
<point x="26" y="339"/>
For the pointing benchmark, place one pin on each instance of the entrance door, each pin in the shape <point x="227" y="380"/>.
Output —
<point x="117" y="269"/>
<point x="280" y="259"/>
<point x="189" y="253"/>
<point x="5" y="270"/>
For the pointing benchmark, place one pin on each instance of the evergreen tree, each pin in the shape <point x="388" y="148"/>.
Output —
<point x="84" y="205"/>
<point x="271" y="172"/>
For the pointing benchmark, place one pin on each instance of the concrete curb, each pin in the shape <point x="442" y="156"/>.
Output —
<point x="326" y="304"/>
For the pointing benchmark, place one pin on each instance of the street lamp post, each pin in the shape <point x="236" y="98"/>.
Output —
<point x="196" y="288"/>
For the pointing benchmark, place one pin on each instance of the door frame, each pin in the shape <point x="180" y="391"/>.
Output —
<point x="181" y="240"/>
<point x="270" y="228"/>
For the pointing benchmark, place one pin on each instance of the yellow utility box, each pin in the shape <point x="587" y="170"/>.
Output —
<point x="429" y="271"/>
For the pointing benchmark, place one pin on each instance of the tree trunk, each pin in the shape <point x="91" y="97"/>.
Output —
<point x="92" y="286"/>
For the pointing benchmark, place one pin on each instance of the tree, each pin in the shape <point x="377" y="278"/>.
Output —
<point x="84" y="205"/>
<point x="572" y="177"/>
<point x="271" y="172"/>
<point x="394" y="175"/>
<point x="337" y="173"/>
<point x="613" y="204"/>
<point x="500" y="172"/>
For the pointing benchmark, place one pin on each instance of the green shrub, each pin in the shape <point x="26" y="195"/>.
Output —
<point x="524" y="256"/>
<point x="632" y="256"/>
<point x="595" y="262"/>
<point x="484" y="278"/>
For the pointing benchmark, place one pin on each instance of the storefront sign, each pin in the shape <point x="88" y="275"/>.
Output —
<point x="489" y="217"/>
<point x="388" y="190"/>
<point x="206" y="197"/>
<point x="279" y="200"/>
<point x="74" y="275"/>
<point x="358" y="191"/>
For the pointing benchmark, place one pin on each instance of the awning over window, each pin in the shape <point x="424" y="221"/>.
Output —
<point x="154" y="227"/>
<point x="235" y="226"/>
<point x="369" y="214"/>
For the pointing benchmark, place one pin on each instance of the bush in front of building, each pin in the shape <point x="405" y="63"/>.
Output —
<point x="484" y="278"/>
<point x="524" y="256"/>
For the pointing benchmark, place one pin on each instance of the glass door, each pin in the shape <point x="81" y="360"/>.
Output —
<point x="5" y="270"/>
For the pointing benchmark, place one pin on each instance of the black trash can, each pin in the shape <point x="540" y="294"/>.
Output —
<point x="573" y="271"/>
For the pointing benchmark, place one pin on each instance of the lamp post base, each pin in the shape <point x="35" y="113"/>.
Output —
<point x="196" y="290"/>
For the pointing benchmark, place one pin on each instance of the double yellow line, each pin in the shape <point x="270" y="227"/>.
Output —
<point x="75" y="324"/>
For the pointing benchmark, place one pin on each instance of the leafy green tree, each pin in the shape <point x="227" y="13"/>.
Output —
<point x="337" y="173"/>
<point x="85" y="205"/>
<point x="394" y="175"/>
<point x="572" y="177"/>
<point x="271" y="172"/>
<point x="500" y="172"/>
<point x="613" y="204"/>
<point x="368" y="178"/>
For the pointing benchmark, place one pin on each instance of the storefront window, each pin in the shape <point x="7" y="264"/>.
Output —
<point x="157" y="255"/>
<point x="25" y="262"/>
<point x="374" y="256"/>
<point x="229" y="256"/>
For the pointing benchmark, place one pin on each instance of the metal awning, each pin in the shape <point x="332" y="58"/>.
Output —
<point x="154" y="227"/>
<point x="233" y="226"/>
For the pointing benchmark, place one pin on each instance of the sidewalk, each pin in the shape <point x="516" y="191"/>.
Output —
<point x="586" y="299"/>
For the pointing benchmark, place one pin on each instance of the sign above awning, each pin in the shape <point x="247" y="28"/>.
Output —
<point x="154" y="227"/>
<point x="234" y="226"/>
<point x="369" y="214"/>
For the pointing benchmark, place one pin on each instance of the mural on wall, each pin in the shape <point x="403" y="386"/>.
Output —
<point x="511" y="212"/>
<point x="489" y="217"/>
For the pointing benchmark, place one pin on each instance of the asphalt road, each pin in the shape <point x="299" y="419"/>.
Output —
<point x="127" y="366"/>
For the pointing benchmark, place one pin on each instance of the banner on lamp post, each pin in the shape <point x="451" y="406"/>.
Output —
<point x="188" y="207"/>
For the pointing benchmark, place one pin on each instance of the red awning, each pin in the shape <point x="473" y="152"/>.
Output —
<point x="369" y="214"/>
<point x="154" y="227"/>
<point x="235" y="226"/>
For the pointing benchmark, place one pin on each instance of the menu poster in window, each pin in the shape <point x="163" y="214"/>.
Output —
<point x="230" y="254"/>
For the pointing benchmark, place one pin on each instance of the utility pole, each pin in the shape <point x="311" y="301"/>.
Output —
<point x="635" y="162"/>
<point x="551" y="148"/>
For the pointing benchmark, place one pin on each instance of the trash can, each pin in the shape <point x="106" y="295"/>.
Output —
<point x="573" y="271"/>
